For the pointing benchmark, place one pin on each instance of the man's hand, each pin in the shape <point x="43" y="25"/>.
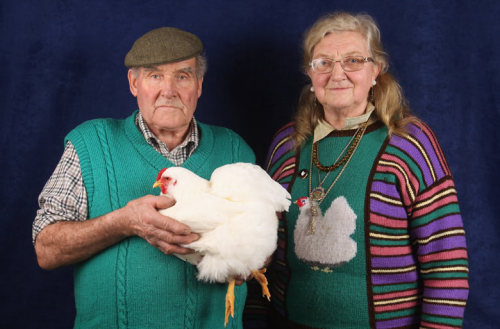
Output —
<point x="160" y="231"/>
<point x="69" y="242"/>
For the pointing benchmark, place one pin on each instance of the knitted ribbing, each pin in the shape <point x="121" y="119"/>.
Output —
<point x="121" y="268"/>
<point x="132" y="284"/>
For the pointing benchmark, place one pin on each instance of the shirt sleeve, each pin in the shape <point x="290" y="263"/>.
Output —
<point x="63" y="197"/>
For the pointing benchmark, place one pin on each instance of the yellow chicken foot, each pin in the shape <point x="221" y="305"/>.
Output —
<point x="261" y="278"/>
<point x="229" y="301"/>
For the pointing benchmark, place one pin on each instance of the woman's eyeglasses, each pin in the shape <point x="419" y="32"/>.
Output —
<point x="348" y="64"/>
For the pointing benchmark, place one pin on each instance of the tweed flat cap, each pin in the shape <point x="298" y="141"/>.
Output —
<point x="163" y="45"/>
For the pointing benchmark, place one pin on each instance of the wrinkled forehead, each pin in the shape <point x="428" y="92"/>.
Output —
<point x="343" y="43"/>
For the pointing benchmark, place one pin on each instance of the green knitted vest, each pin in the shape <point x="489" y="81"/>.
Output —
<point x="132" y="284"/>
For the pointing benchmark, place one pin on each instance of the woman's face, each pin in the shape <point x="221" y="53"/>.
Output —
<point x="343" y="93"/>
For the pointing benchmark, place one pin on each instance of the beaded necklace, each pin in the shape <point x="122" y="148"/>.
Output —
<point x="318" y="194"/>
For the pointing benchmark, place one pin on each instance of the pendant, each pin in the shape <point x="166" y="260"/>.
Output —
<point x="311" y="229"/>
<point x="315" y="211"/>
<point x="317" y="194"/>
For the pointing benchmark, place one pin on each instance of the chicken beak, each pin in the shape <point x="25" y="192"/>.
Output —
<point x="158" y="183"/>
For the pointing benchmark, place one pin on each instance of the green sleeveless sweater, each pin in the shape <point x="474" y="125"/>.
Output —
<point x="132" y="284"/>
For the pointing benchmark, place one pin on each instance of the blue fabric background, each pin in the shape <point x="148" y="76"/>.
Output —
<point x="61" y="62"/>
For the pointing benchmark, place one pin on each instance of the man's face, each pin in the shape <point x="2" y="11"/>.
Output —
<point x="167" y="95"/>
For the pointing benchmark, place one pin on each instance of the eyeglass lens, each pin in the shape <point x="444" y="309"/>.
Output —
<point x="348" y="64"/>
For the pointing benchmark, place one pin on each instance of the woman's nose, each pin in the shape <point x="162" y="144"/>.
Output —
<point x="338" y="72"/>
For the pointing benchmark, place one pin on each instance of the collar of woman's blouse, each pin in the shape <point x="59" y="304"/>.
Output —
<point x="323" y="128"/>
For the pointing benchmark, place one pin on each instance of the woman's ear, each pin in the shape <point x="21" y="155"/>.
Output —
<point x="378" y="67"/>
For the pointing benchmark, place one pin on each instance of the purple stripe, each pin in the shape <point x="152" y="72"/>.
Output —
<point x="424" y="139"/>
<point x="446" y="293"/>
<point x="450" y="221"/>
<point x="448" y="310"/>
<point x="396" y="323"/>
<point x="283" y="149"/>
<point x="393" y="262"/>
<point x="415" y="153"/>
<point x="394" y="278"/>
<point x="280" y="136"/>
<point x="443" y="244"/>
<point x="388" y="210"/>
<point x="386" y="189"/>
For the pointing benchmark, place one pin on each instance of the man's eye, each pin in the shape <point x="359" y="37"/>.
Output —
<point x="155" y="76"/>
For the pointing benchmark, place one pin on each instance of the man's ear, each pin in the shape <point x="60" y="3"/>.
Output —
<point x="132" y="82"/>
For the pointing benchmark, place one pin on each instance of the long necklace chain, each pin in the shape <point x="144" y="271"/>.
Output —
<point x="336" y="164"/>
<point x="321" y="181"/>
<point x="318" y="194"/>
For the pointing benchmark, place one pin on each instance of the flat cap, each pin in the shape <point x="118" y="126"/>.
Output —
<point x="163" y="45"/>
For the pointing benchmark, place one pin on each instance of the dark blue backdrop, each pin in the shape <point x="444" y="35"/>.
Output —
<point x="61" y="62"/>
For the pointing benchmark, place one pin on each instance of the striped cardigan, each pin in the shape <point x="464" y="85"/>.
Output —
<point x="416" y="256"/>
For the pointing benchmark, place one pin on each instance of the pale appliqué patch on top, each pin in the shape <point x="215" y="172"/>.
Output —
<point x="331" y="245"/>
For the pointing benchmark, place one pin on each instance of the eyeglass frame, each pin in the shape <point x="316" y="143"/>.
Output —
<point x="341" y="62"/>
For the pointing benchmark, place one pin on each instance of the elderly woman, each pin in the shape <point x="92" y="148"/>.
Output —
<point x="376" y="239"/>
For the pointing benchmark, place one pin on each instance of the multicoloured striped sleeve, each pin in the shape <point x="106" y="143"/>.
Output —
<point x="418" y="264"/>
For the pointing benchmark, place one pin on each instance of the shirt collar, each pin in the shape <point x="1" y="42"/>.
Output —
<point x="191" y="138"/>
<point x="323" y="128"/>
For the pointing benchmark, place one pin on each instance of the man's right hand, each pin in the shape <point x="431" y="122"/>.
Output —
<point x="69" y="242"/>
<point x="160" y="231"/>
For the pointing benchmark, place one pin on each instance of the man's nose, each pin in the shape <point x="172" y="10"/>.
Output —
<point x="168" y="87"/>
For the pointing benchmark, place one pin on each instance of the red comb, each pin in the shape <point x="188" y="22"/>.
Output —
<point x="160" y="173"/>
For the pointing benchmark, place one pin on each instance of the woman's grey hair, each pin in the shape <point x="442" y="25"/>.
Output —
<point x="341" y="22"/>
<point x="390" y="105"/>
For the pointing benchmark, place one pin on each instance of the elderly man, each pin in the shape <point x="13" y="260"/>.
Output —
<point x="97" y="212"/>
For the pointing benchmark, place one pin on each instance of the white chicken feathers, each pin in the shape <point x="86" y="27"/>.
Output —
<point x="235" y="214"/>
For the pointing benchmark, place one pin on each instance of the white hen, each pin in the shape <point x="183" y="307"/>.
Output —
<point x="235" y="215"/>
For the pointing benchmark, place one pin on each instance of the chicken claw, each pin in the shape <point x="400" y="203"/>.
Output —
<point x="229" y="301"/>
<point x="261" y="278"/>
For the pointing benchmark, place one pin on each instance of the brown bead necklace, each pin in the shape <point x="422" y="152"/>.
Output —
<point x="347" y="155"/>
<point x="318" y="194"/>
